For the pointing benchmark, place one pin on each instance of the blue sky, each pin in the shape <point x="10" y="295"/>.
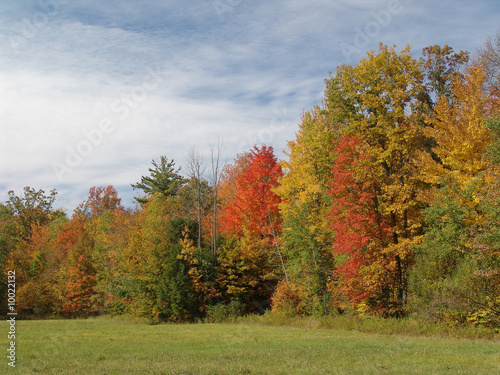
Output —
<point x="92" y="91"/>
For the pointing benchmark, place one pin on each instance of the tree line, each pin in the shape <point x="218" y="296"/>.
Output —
<point x="387" y="203"/>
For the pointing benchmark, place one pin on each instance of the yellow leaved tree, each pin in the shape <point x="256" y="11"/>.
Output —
<point x="305" y="206"/>
<point x="456" y="266"/>
<point x="461" y="137"/>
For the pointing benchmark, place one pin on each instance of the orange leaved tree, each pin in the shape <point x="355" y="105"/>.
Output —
<point x="251" y="223"/>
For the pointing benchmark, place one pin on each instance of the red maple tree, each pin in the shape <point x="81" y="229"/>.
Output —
<point x="360" y="230"/>
<point x="253" y="206"/>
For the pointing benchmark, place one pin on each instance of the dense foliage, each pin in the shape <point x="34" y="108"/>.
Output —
<point x="387" y="204"/>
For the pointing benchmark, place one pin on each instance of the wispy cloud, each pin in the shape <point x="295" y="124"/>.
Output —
<point x="245" y="76"/>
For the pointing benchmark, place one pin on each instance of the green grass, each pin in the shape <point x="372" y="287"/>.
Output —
<point x="404" y="326"/>
<point x="118" y="346"/>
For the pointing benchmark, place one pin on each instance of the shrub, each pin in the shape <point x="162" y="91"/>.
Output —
<point x="224" y="313"/>
<point x="289" y="300"/>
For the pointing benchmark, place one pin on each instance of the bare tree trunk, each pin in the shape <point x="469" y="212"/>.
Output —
<point x="215" y="155"/>
<point x="278" y="251"/>
<point x="282" y="262"/>
<point x="196" y="169"/>
<point x="489" y="57"/>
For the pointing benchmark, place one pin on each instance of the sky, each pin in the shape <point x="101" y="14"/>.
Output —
<point x="92" y="91"/>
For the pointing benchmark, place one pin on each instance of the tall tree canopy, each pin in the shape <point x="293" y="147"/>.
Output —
<point x="387" y="203"/>
<point x="379" y="103"/>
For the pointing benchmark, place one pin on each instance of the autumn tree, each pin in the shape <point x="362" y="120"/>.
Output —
<point x="201" y="271"/>
<point x="28" y="224"/>
<point x="100" y="201"/>
<point x="459" y="131"/>
<point x="379" y="103"/>
<point x="228" y="191"/>
<point x="441" y="66"/>
<point x="33" y="208"/>
<point x="128" y="263"/>
<point x="485" y="295"/>
<point x="251" y="221"/>
<point x="7" y="243"/>
<point x="255" y="205"/>
<point x="26" y="213"/>
<point x="388" y="203"/>
<point x="306" y="236"/>
<point x="118" y="287"/>
<point x="66" y="238"/>
<point x="161" y="288"/>
<point x="88" y="264"/>
<point x="450" y="278"/>
<point x="365" y="275"/>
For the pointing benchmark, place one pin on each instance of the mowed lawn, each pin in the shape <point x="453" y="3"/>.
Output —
<point x="107" y="346"/>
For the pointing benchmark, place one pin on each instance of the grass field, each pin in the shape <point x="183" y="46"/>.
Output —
<point x="117" y="346"/>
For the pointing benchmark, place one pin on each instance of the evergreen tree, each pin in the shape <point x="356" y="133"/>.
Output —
<point x="164" y="179"/>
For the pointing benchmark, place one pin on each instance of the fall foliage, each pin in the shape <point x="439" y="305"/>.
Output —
<point x="386" y="203"/>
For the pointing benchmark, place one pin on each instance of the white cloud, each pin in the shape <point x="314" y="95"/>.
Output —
<point x="245" y="76"/>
